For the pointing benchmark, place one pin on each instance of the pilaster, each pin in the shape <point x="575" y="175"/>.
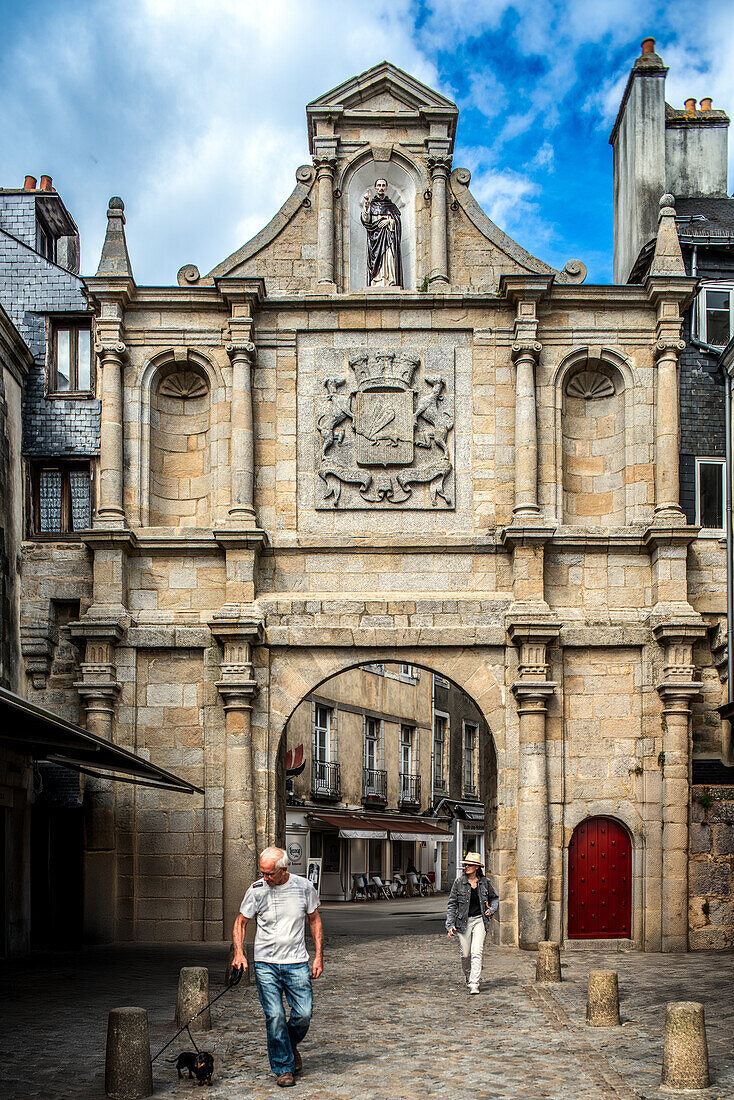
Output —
<point x="325" y="149"/>
<point x="532" y="691"/>
<point x="677" y="689"/>
<point x="237" y="688"/>
<point x="243" y="296"/>
<point x="439" y="167"/>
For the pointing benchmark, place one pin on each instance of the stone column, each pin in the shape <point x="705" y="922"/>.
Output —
<point x="110" y="507"/>
<point x="439" y="168"/>
<point x="237" y="689"/>
<point x="525" y="356"/>
<point x="325" y="198"/>
<point x="677" y="691"/>
<point x="242" y="510"/>
<point x="98" y="689"/>
<point x="532" y="690"/>
<point x="667" y="486"/>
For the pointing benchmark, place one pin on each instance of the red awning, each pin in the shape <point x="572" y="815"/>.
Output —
<point x="359" y="826"/>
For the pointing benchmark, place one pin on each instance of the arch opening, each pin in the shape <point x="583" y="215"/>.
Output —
<point x="387" y="770"/>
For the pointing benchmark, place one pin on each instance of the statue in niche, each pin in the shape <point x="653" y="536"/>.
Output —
<point x="381" y="219"/>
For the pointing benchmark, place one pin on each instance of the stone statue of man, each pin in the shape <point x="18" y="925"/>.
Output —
<point x="381" y="219"/>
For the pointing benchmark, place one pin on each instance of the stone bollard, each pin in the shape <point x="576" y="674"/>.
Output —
<point x="128" y="1072"/>
<point x="685" y="1054"/>
<point x="548" y="965"/>
<point x="193" y="995"/>
<point x="602" y="999"/>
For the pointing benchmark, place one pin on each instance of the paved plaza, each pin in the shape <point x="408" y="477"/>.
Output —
<point x="392" y="1019"/>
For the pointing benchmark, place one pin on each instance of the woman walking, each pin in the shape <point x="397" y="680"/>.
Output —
<point x="472" y="904"/>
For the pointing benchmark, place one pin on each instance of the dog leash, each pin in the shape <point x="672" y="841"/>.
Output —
<point x="234" y="978"/>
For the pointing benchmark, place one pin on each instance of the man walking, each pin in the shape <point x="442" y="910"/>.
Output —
<point x="280" y="902"/>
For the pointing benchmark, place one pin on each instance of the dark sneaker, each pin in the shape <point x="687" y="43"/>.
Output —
<point x="285" y="1080"/>
<point x="297" y="1061"/>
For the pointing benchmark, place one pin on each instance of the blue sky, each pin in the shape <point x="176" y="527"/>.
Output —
<point x="193" y="110"/>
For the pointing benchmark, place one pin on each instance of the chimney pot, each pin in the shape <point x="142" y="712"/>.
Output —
<point x="648" y="46"/>
<point x="706" y="104"/>
<point x="690" y="104"/>
<point x="29" y="183"/>
<point x="46" y="183"/>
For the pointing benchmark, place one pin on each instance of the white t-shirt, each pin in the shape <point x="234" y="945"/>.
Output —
<point x="281" y="915"/>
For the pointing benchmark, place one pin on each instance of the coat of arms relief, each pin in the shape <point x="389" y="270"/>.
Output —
<point x="385" y="434"/>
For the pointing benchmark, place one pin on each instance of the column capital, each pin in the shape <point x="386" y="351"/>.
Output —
<point x="325" y="165"/>
<point x="678" y="697"/>
<point x="668" y="345"/>
<point x="439" y="164"/>
<point x="111" y="350"/>
<point x="533" y="694"/>
<point x="240" y="349"/>
<point x="526" y="349"/>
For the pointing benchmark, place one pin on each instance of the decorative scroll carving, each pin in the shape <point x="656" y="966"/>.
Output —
<point x="184" y="384"/>
<point x="385" y="435"/>
<point x="590" y="384"/>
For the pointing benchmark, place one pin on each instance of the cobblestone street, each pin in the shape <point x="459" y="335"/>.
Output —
<point x="392" y="1019"/>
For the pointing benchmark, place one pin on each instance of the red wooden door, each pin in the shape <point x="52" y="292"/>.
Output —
<point x="599" y="880"/>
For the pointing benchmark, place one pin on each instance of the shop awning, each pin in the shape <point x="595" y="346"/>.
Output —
<point x="33" y="731"/>
<point x="351" y="826"/>
<point x="358" y="826"/>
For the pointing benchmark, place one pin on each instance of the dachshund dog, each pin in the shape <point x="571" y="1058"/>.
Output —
<point x="199" y="1065"/>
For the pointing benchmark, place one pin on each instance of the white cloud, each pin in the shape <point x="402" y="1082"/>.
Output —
<point x="193" y="112"/>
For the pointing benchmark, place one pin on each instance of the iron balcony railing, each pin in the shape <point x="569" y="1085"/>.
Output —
<point x="410" y="789"/>
<point x="325" y="782"/>
<point x="374" y="786"/>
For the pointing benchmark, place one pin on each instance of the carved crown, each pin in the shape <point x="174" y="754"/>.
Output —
<point x="384" y="369"/>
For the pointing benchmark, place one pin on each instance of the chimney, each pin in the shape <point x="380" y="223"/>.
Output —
<point x="46" y="183"/>
<point x="690" y="105"/>
<point x="638" y="140"/>
<point x="706" y="104"/>
<point x="30" y="183"/>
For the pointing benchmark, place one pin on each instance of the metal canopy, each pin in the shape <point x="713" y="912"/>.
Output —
<point x="33" y="731"/>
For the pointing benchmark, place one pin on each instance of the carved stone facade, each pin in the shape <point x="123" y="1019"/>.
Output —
<point x="477" y="474"/>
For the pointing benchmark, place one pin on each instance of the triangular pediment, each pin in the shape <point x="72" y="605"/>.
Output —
<point x="384" y="89"/>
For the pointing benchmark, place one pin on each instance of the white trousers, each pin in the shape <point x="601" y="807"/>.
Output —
<point x="471" y="943"/>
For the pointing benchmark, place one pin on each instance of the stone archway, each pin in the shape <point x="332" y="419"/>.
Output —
<point x="286" y="675"/>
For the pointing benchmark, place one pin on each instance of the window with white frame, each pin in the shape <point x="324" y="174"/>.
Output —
<point x="714" y="312"/>
<point x="440" y="741"/>
<point x="471" y="738"/>
<point x="371" y="743"/>
<point x="710" y="493"/>
<point x="322" y="722"/>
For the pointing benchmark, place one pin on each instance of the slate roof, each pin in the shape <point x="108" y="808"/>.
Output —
<point x="701" y="220"/>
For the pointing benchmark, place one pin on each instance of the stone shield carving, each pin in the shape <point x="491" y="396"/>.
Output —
<point x="385" y="431"/>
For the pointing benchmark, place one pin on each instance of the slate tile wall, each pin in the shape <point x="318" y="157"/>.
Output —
<point x="30" y="286"/>
<point x="702" y="389"/>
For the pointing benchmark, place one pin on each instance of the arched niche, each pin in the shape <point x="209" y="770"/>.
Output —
<point x="180" y="452"/>
<point x="401" y="189"/>
<point x="593" y="444"/>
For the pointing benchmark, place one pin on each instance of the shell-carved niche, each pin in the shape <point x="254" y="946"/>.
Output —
<point x="180" y="450"/>
<point x="593" y="434"/>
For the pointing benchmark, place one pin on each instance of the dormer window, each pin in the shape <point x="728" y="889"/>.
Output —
<point x="45" y="241"/>
<point x="70" y="357"/>
<point x="715" y="313"/>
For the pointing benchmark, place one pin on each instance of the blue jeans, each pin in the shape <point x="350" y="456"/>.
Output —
<point x="273" y="980"/>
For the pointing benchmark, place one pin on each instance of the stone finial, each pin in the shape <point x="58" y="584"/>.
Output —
<point x="115" y="259"/>
<point x="668" y="258"/>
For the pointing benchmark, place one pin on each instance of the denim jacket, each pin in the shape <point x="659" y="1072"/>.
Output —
<point x="457" y="914"/>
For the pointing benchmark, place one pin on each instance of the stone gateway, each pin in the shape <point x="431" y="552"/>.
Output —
<point x="383" y="432"/>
